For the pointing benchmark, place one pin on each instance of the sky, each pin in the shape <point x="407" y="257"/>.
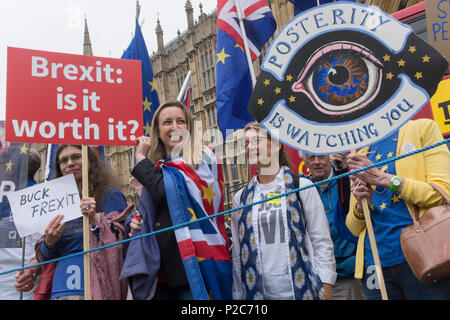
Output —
<point x="58" y="26"/>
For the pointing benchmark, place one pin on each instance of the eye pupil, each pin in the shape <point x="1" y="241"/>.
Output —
<point x="338" y="75"/>
<point x="340" y="78"/>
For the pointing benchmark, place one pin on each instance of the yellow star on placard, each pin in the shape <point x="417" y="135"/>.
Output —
<point x="222" y="56"/>
<point x="291" y="99"/>
<point x="383" y="206"/>
<point x="425" y="58"/>
<point x="401" y="63"/>
<point x="277" y="90"/>
<point x="412" y="49"/>
<point x="147" y="104"/>
<point x="372" y="207"/>
<point x="289" y="78"/>
<point x="389" y="75"/>
<point x="147" y="129"/>
<point x="9" y="165"/>
<point x="152" y="84"/>
<point x="390" y="154"/>
<point x="194" y="217"/>
<point x="386" y="57"/>
<point x="395" y="198"/>
<point x="418" y="75"/>
<point x="23" y="149"/>
<point x="266" y="82"/>
<point x="378" y="157"/>
<point x="260" y="101"/>
<point x="208" y="193"/>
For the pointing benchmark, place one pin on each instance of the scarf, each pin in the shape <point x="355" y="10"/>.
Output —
<point x="306" y="284"/>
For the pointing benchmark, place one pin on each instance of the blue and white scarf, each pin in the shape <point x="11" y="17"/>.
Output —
<point x="306" y="284"/>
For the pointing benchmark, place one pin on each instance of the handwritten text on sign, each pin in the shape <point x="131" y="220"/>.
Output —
<point x="34" y="207"/>
<point x="65" y="98"/>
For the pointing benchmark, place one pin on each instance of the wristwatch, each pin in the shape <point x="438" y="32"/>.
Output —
<point x="395" y="182"/>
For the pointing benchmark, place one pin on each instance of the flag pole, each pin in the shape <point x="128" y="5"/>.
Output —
<point x="184" y="86"/>
<point x="373" y="245"/>
<point x="23" y="263"/>
<point x="86" y="257"/>
<point x="244" y="37"/>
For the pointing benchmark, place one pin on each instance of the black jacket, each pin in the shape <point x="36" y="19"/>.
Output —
<point x="152" y="180"/>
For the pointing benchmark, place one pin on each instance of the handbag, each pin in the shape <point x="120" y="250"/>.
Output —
<point x="426" y="242"/>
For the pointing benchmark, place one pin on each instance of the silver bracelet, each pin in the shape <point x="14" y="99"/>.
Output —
<point x="98" y="223"/>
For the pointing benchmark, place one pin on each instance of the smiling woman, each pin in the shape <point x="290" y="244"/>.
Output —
<point x="106" y="208"/>
<point x="293" y="258"/>
<point x="171" y="152"/>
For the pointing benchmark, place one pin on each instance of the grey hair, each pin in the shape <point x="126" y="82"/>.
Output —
<point x="303" y="155"/>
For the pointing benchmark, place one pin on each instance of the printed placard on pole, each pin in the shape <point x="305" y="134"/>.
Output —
<point x="343" y="76"/>
<point x="72" y="99"/>
<point x="438" y="25"/>
<point x="33" y="208"/>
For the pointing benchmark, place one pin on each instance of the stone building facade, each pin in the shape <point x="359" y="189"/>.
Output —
<point x="194" y="50"/>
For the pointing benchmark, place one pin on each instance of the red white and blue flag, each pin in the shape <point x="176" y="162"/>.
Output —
<point x="193" y="194"/>
<point x="259" y="23"/>
<point x="185" y="92"/>
<point x="234" y="84"/>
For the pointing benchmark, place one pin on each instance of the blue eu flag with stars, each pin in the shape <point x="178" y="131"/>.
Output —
<point x="137" y="50"/>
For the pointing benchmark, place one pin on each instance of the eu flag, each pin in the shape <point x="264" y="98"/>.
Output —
<point x="137" y="50"/>
<point x="13" y="177"/>
<point x="302" y="5"/>
<point x="234" y="85"/>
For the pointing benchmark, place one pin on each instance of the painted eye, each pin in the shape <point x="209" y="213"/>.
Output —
<point x="340" y="78"/>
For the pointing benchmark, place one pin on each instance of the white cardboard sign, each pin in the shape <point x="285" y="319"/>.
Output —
<point x="33" y="208"/>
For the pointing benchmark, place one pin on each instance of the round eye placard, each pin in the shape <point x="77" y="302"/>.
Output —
<point x="343" y="76"/>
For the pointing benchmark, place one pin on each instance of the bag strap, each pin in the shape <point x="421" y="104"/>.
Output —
<point x="438" y="189"/>
<point x="416" y="208"/>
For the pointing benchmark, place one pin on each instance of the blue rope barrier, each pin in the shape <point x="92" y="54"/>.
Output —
<point x="233" y="209"/>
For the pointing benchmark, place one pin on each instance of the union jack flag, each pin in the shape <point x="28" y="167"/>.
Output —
<point x="259" y="23"/>
<point x="234" y="86"/>
<point x="193" y="194"/>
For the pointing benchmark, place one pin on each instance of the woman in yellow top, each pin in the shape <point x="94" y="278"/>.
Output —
<point x="391" y="190"/>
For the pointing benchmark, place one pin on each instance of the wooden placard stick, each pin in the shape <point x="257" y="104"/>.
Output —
<point x="373" y="245"/>
<point x="86" y="256"/>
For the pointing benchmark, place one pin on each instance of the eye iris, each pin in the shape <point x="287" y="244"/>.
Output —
<point x="340" y="78"/>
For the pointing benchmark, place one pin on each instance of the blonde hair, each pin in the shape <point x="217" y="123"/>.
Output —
<point x="283" y="157"/>
<point x="157" y="149"/>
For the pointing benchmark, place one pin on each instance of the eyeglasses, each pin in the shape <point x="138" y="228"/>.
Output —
<point x="255" y="141"/>
<point x="74" y="157"/>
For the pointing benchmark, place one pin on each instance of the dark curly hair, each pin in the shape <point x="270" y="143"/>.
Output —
<point x="100" y="177"/>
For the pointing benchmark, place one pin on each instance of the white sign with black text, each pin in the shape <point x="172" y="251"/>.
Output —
<point x="33" y="208"/>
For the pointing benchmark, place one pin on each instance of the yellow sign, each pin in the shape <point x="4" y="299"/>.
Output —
<point x="440" y="106"/>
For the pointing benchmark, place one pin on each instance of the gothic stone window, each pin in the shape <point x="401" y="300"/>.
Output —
<point x="208" y="69"/>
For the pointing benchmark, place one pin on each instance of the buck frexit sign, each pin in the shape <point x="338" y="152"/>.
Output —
<point x="343" y="76"/>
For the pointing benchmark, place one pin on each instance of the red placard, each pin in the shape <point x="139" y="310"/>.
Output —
<point x="73" y="99"/>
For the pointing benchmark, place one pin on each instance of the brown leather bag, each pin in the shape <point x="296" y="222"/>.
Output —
<point x="426" y="242"/>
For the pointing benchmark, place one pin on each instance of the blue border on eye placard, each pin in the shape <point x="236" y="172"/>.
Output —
<point x="294" y="53"/>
